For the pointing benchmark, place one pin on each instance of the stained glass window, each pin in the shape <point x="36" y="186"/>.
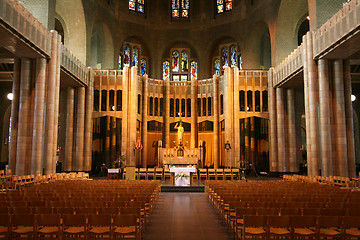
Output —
<point x="143" y="66"/>
<point x="135" y="57"/>
<point x="137" y="6"/>
<point x="224" y="57"/>
<point x="175" y="61"/>
<point x="126" y="56"/>
<point x="184" y="61"/>
<point x="240" y="63"/>
<point x="223" y="6"/>
<point x="180" y="8"/>
<point x="166" y="70"/>
<point x="233" y="58"/>
<point x="120" y="62"/>
<point x="194" y="70"/>
<point x="217" y="67"/>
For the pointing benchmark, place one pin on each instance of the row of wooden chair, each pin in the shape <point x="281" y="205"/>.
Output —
<point x="219" y="174"/>
<point x="150" y="173"/>
<point x="344" y="182"/>
<point x="297" y="227"/>
<point x="79" y="226"/>
<point x="10" y="182"/>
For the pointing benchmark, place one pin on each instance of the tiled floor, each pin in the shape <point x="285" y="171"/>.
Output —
<point x="185" y="216"/>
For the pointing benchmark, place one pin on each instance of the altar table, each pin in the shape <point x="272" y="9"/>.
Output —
<point x="182" y="181"/>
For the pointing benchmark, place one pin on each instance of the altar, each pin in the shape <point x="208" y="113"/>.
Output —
<point x="182" y="175"/>
<point x="179" y="156"/>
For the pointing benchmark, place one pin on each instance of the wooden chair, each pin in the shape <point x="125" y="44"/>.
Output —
<point x="86" y="210"/>
<point x="99" y="226"/>
<point x="351" y="225"/>
<point x="279" y="227"/>
<point x="74" y="226"/>
<point x="167" y="174"/>
<point x="48" y="226"/>
<point x="211" y="174"/>
<point x="150" y="173"/>
<point x="23" y="226"/>
<point x="219" y="174"/>
<point x="125" y="226"/>
<point x="304" y="227"/>
<point x="159" y="173"/>
<point x="203" y="174"/>
<point x="142" y="173"/>
<point x="235" y="173"/>
<point x="108" y="210"/>
<point x="5" y="226"/>
<point x="227" y="174"/>
<point x="290" y="211"/>
<point x="329" y="227"/>
<point x="254" y="226"/>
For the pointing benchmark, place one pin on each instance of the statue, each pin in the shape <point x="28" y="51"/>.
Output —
<point x="180" y="131"/>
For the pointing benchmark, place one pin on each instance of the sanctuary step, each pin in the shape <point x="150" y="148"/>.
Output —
<point x="182" y="189"/>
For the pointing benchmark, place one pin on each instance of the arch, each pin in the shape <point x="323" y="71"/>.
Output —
<point x="102" y="47"/>
<point x="290" y="13"/>
<point x="72" y="17"/>
<point x="257" y="50"/>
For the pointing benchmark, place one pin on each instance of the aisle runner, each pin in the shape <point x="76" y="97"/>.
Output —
<point x="184" y="216"/>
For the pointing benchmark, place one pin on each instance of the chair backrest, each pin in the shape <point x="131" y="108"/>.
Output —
<point x="26" y="220"/>
<point x="329" y="221"/>
<point x="125" y="220"/>
<point x="351" y="221"/>
<point x="303" y="221"/>
<point x="74" y="220"/>
<point x="99" y="220"/>
<point x="48" y="219"/>
<point x="279" y="221"/>
<point x="254" y="221"/>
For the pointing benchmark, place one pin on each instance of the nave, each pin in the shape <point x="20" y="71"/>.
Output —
<point x="182" y="215"/>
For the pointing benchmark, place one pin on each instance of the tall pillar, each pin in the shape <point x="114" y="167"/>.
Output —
<point x="272" y="126"/>
<point x="252" y="142"/>
<point x="50" y="105"/>
<point x="107" y="141"/>
<point x="349" y="120"/>
<point x="167" y="113"/>
<point x="38" y="123"/>
<point x="193" y="113"/>
<point x="293" y="166"/>
<point x="216" y="145"/>
<point x="144" y="121"/>
<point x="281" y="142"/>
<point x="132" y="118"/>
<point x="228" y="114"/>
<point x="125" y="106"/>
<point x="69" y="135"/>
<point x="340" y="120"/>
<point x="57" y="103"/>
<point x="89" y="121"/>
<point x="24" y="106"/>
<point x="14" y="114"/>
<point x="236" y="120"/>
<point x="325" y="120"/>
<point x="313" y="99"/>
<point x="80" y="122"/>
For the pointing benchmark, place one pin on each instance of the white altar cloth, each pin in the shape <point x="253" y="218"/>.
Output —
<point x="114" y="170"/>
<point x="182" y="181"/>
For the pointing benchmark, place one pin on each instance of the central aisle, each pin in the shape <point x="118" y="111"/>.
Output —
<point x="185" y="216"/>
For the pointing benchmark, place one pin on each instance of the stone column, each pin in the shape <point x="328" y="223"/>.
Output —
<point x="38" y="123"/>
<point x="69" y="135"/>
<point x="228" y="114"/>
<point x="281" y="142"/>
<point x="272" y="126"/>
<point x="132" y="118"/>
<point x="14" y="115"/>
<point x="216" y="145"/>
<point x="325" y="120"/>
<point x="236" y="120"/>
<point x="89" y="121"/>
<point x="193" y="113"/>
<point x="340" y="119"/>
<point x="293" y="166"/>
<point x="349" y="120"/>
<point x="80" y="122"/>
<point x="23" y="124"/>
<point x="144" y="121"/>
<point x="51" y="105"/>
<point x="57" y="102"/>
<point x="125" y="105"/>
<point x="313" y="99"/>
<point x="107" y="141"/>
<point x="167" y="113"/>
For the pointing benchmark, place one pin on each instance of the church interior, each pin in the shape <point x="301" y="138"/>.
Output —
<point x="203" y="93"/>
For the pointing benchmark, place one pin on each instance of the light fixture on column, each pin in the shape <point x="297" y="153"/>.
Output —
<point x="10" y="96"/>
<point x="353" y="97"/>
